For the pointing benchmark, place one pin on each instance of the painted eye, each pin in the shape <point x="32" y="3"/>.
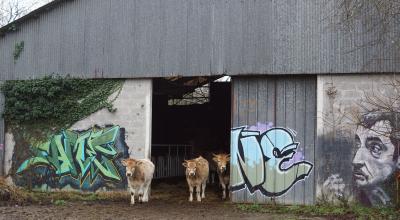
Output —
<point x="375" y="148"/>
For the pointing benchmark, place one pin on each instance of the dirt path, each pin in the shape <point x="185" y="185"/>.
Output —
<point x="156" y="209"/>
<point x="166" y="202"/>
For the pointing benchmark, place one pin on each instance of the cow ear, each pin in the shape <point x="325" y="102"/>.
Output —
<point x="184" y="163"/>
<point x="124" y="162"/>
<point x="139" y="162"/>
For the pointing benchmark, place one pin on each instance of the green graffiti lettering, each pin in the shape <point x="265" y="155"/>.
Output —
<point x="81" y="155"/>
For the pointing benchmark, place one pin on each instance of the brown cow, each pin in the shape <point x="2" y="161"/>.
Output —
<point x="139" y="173"/>
<point x="196" y="176"/>
<point x="222" y="162"/>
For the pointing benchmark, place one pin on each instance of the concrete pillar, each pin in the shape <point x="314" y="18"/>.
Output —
<point x="134" y="113"/>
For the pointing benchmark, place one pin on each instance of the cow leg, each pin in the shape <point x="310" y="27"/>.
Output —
<point x="132" y="196"/>
<point x="141" y="193"/>
<point x="198" y="189"/>
<point x="190" y="193"/>
<point x="203" y="193"/>
<point x="223" y="186"/>
<point x="146" y="191"/>
<point x="223" y="190"/>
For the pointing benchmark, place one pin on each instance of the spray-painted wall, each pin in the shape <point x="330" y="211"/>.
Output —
<point x="272" y="139"/>
<point x="358" y="139"/>
<point x="87" y="155"/>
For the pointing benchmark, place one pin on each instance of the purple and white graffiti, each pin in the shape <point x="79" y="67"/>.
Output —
<point x="266" y="158"/>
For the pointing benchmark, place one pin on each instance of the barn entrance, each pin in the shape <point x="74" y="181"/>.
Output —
<point x="191" y="116"/>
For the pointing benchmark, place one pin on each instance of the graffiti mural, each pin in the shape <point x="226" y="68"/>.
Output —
<point x="375" y="160"/>
<point x="263" y="158"/>
<point x="377" y="142"/>
<point x="84" y="160"/>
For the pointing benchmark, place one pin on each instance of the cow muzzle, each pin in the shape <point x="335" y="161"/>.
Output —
<point x="192" y="174"/>
<point x="128" y="174"/>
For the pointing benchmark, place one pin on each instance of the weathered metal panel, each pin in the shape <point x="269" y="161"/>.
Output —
<point x="2" y="132"/>
<point x="273" y="114"/>
<point x="153" y="38"/>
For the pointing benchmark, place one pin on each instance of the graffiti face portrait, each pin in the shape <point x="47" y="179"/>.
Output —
<point x="375" y="158"/>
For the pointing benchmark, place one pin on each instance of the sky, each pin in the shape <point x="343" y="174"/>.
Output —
<point x="31" y="3"/>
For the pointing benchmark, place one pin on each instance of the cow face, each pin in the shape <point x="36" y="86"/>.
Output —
<point x="222" y="161"/>
<point x="191" y="167"/>
<point x="130" y="165"/>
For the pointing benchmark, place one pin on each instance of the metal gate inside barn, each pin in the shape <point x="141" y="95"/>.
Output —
<point x="273" y="139"/>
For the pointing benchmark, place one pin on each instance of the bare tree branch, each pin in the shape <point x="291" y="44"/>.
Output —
<point x="10" y="10"/>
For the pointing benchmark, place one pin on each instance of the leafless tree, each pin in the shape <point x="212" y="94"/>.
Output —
<point x="379" y="17"/>
<point x="384" y="99"/>
<point x="10" y="10"/>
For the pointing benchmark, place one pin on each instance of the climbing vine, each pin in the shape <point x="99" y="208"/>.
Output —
<point x="18" y="48"/>
<point x="43" y="106"/>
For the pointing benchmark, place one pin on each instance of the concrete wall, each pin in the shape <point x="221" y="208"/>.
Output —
<point x="356" y="155"/>
<point x="133" y="113"/>
<point x="89" y="152"/>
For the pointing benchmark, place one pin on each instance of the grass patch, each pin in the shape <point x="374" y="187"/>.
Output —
<point x="353" y="211"/>
<point x="60" y="202"/>
<point x="11" y="195"/>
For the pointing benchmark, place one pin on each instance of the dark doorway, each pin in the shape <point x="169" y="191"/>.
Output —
<point x="191" y="116"/>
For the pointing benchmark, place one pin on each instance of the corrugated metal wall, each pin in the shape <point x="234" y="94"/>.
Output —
<point x="2" y="133"/>
<point x="154" y="38"/>
<point x="262" y="103"/>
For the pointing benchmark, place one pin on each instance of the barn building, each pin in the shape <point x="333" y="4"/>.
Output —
<point x="269" y="82"/>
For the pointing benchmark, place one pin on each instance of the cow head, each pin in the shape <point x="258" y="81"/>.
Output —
<point x="222" y="161"/>
<point x="191" y="167"/>
<point x="130" y="165"/>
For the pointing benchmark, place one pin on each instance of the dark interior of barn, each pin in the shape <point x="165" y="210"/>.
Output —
<point x="191" y="116"/>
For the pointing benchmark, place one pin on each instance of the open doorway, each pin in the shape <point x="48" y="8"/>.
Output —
<point x="191" y="116"/>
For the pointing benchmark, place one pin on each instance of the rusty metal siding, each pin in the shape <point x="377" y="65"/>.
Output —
<point x="153" y="38"/>
<point x="287" y="102"/>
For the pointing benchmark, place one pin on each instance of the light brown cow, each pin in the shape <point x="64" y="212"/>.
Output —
<point x="196" y="176"/>
<point x="222" y="162"/>
<point x="139" y="173"/>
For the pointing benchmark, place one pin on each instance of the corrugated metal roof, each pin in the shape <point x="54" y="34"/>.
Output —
<point x="153" y="38"/>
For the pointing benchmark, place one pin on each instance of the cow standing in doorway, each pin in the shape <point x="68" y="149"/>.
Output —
<point x="196" y="176"/>
<point x="222" y="162"/>
<point x="139" y="173"/>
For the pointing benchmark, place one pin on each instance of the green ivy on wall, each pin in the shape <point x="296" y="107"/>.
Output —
<point x="42" y="106"/>
<point x="18" y="48"/>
